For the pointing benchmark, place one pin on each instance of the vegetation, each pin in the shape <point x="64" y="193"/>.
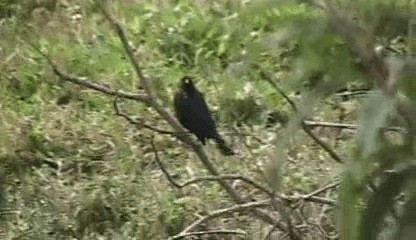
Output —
<point x="317" y="99"/>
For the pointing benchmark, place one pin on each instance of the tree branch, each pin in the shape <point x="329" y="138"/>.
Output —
<point x="90" y="84"/>
<point x="305" y="127"/>
<point x="347" y="126"/>
<point x="211" y="232"/>
<point x="206" y="178"/>
<point x="129" y="51"/>
<point x="140" y="124"/>
<point x="323" y="189"/>
<point x="221" y="212"/>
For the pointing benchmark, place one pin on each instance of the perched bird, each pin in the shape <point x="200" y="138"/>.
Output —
<point x="192" y="112"/>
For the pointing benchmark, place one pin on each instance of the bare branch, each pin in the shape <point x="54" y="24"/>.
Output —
<point x="279" y="207"/>
<point x="99" y="87"/>
<point x="211" y="232"/>
<point x="323" y="189"/>
<point x="129" y="51"/>
<point x="346" y="126"/>
<point x="88" y="83"/>
<point x="139" y="124"/>
<point x="321" y="143"/>
<point x="228" y="177"/>
<point x="159" y="162"/>
<point x="305" y="128"/>
<point x="269" y="233"/>
<point x="225" y="211"/>
<point x="238" y="208"/>
<point x="321" y="200"/>
<point x="312" y="197"/>
<point x="280" y="91"/>
<point x="206" y="178"/>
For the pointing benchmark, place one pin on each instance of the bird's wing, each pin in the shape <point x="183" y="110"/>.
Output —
<point x="200" y="111"/>
<point x="177" y="102"/>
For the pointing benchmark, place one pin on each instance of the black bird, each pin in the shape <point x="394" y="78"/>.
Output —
<point x="192" y="112"/>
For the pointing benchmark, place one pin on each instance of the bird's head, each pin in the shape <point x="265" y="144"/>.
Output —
<point x="187" y="85"/>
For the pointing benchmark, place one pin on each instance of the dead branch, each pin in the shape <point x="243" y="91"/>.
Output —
<point x="305" y="127"/>
<point x="237" y="208"/>
<point x="321" y="190"/>
<point x="206" y="178"/>
<point x="346" y="126"/>
<point x="88" y="83"/>
<point x="129" y="51"/>
<point x="211" y="232"/>
<point x="312" y="197"/>
<point x="159" y="162"/>
<point x="139" y="124"/>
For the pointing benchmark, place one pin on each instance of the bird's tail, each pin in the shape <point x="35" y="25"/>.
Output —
<point x="222" y="146"/>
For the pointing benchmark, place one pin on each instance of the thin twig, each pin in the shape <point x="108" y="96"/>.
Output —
<point x="228" y="177"/>
<point x="305" y="128"/>
<point x="346" y="126"/>
<point x="221" y="212"/>
<point x="321" y="143"/>
<point x="211" y="232"/>
<point x="269" y="233"/>
<point x="321" y="190"/>
<point x="129" y="52"/>
<point x="159" y="162"/>
<point x="88" y="83"/>
<point x="206" y="178"/>
<point x="259" y="140"/>
<point x="321" y="200"/>
<point x="281" y="92"/>
<point x="139" y="123"/>
<point x="278" y="207"/>
<point x="312" y="197"/>
<point x="217" y="213"/>
<point x="353" y="93"/>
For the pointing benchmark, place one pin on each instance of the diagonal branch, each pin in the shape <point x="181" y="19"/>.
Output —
<point x="226" y="211"/>
<point x="211" y="232"/>
<point x="323" y="189"/>
<point x="347" y="126"/>
<point x="305" y="127"/>
<point x="206" y="178"/>
<point x="90" y="84"/>
<point x="139" y="123"/>
<point x="129" y="51"/>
